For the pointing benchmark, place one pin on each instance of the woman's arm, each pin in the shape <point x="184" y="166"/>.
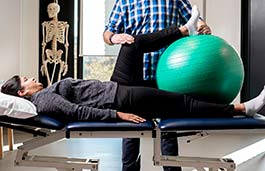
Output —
<point x="54" y="103"/>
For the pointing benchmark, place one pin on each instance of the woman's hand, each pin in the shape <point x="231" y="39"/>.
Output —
<point x="130" y="117"/>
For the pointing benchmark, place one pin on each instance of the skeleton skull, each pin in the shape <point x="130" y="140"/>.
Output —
<point x="53" y="9"/>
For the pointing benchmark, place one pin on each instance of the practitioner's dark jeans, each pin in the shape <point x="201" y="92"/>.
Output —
<point x="129" y="71"/>
<point x="131" y="158"/>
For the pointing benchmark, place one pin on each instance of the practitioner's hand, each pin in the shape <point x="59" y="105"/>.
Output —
<point x="203" y="28"/>
<point x="122" y="38"/>
<point x="130" y="117"/>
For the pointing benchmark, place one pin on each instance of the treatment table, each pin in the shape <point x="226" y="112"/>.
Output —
<point x="53" y="130"/>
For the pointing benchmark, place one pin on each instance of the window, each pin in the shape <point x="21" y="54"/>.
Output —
<point x="98" y="58"/>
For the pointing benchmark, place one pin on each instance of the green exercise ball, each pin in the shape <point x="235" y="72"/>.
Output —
<point x="203" y="66"/>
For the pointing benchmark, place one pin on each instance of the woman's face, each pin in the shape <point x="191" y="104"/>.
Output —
<point x="30" y="86"/>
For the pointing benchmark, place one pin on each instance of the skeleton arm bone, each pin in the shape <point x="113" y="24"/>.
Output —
<point x="44" y="43"/>
<point x="65" y="67"/>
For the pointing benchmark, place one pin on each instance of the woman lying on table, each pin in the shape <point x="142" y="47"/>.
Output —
<point x="95" y="100"/>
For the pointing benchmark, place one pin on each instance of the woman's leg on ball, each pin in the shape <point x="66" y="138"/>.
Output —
<point x="129" y="66"/>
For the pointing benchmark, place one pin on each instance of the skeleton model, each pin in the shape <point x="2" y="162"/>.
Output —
<point x="54" y="31"/>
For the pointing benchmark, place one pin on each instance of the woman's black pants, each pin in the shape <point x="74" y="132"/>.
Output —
<point x="152" y="103"/>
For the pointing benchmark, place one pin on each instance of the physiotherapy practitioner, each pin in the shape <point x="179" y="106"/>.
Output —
<point x="134" y="17"/>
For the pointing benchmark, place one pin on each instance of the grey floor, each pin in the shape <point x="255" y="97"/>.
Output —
<point x="107" y="150"/>
<point x="256" y="164"/>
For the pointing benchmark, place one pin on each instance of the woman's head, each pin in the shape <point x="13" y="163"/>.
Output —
<point x="12" y="86"/>
<point x="21" y="86"/>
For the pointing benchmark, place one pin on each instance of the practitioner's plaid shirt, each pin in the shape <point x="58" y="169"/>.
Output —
<point x="144" y="16"/>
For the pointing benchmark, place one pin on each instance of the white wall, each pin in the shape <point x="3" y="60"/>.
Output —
<point x="19" y="38"/>
<point x="10" y="38"/>
<point x="29" y="38"/>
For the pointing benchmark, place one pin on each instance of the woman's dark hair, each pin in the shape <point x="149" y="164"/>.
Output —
<point x="12" y="86"/>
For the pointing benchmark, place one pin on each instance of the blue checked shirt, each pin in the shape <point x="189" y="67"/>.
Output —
<point x="145" y="16"/>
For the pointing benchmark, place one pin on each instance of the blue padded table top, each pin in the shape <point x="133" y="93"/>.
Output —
<point x="211" y="124"/>
<point x="110" y="126"/>
<point x="43" y="121"/>
<point x="40" y="121"/>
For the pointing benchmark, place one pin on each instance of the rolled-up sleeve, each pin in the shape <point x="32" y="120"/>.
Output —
<point x="115" y="23"/>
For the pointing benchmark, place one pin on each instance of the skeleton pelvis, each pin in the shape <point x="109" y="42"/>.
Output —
<point x="54" y="56"/>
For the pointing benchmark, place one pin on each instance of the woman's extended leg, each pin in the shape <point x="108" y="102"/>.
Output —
<point x="152" y="103"/>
